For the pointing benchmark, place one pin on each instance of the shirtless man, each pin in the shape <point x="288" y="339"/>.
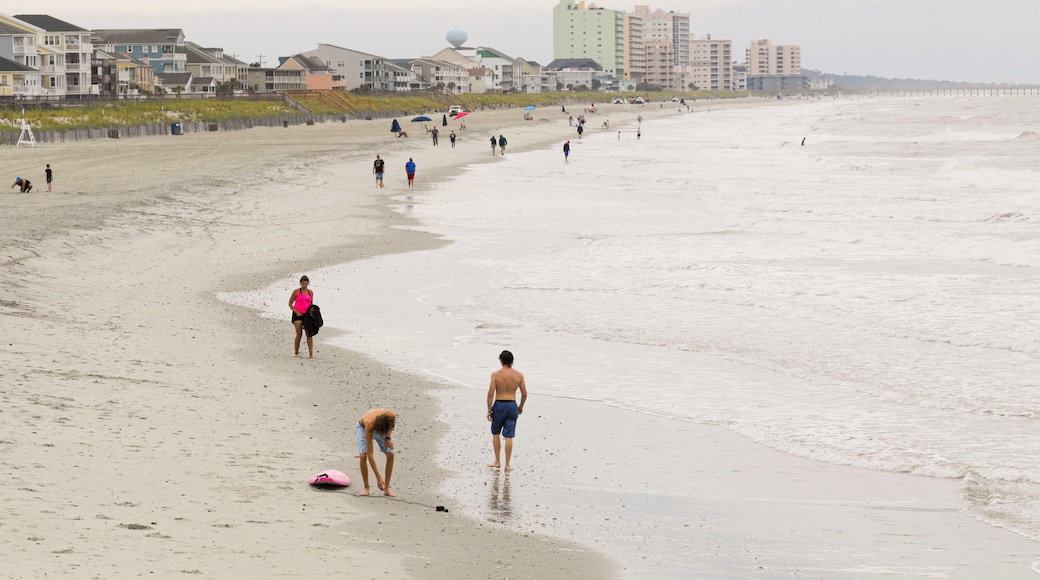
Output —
<point x="502" y="408"/>
<point x="376" y="425"/>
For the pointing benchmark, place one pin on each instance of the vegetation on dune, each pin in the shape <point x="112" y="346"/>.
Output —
<point x="146" y="112"/>
<point x="124" y="113"/>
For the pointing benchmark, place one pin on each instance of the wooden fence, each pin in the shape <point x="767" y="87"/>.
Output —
<point x="10" y="137"/>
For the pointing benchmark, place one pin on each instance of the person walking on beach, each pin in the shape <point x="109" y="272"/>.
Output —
<point x="377" y="168"/>
<point x="50" y="174"/>
<point x="376" y="425"/>
<point x="435" y="132"/>
<point x="494" y="143"/>
<point x="25" y="184"/>
<point x="639" y="133"/>
<point x="409" y="168"/>
<point x="502" y="145"/>
<point x="451" y="138"/>
<point x="502" y="408"/>
<point x="580" y="130"/>
<point x="567" y="151"/>
<point x="300" y="300"/>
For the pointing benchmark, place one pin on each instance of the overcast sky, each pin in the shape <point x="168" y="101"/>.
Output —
<point x="959" y="40"/>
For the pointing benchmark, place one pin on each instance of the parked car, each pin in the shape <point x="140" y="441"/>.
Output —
<point x="639" y="100"/>
<point x="454" y="110"/>
<point x="619" y="101"/>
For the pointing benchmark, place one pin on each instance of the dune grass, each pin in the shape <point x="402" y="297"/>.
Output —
<point x="145" y="112"/>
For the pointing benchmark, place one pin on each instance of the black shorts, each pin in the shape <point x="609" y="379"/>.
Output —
<point x="296" y="316"/>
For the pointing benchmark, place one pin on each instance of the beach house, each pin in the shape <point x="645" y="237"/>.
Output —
<point x="358" y="70"/>
<point x="69" y="48"/>
<point x="23" y="43"/>
<point x="163" y="47"/>
<point x="14" y="75"/>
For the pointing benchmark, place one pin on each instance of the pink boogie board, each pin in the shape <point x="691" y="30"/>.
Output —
<point x="330" y="478"/>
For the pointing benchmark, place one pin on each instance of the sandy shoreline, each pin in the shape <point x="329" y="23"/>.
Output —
<point x="148" y="427"/>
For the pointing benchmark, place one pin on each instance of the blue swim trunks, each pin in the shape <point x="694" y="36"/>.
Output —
<point x="362" y="447"/>
<point x="503" y="418"/>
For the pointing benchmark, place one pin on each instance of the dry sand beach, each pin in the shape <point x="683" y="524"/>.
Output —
<point x="146" y="427"/>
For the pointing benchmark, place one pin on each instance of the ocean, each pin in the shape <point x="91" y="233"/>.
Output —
<point x="868" y="299"/>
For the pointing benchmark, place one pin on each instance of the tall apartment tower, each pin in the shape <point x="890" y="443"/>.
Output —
<point x="581" y="31"/>
<point x="766" y="58"/>
<point x="671" y="28"/>
<point x="635" y="48"/>
<point x="711" y="63"/>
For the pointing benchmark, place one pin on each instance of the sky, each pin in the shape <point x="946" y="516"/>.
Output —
<point x="988" y="41"/>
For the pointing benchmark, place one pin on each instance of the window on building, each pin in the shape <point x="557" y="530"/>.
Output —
<point x="52" y="39"/>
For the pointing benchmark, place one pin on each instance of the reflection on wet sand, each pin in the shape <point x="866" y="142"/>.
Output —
<point x="500" y="509"/>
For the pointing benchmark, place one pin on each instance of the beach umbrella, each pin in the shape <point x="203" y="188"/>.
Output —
<point x="528" y="108"/>
<point x="421" y="118"/>
<point x="461" y="115"/>
<point x="444" y="120"/>
<point x="395" y="127"/>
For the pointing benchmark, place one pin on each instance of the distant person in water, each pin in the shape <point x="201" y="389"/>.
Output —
<point x="377" y="425"/>
<point x="803" y="141"/>
<point x="502" y="408"/>
<point x="300" y="300"/>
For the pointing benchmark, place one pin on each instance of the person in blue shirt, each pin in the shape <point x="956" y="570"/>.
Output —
<point x="25" y="184"/>
<point x="409" y="168"/>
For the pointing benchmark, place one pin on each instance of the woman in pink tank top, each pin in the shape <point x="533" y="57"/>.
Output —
<point x="299" y="302"/>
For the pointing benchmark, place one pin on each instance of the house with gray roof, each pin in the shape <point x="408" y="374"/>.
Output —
<point x="163" y="47"/>
<point x="179" y="83"/>
<point x="13" y="74"/>
<point x="353" y="69"/>
<point x="212" y="62"/>
<point x="76" y="51"/>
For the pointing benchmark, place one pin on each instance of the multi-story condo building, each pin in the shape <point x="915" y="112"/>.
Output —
<point x="588" y="31"/>
<point x="670" y="27"/>
<point x="441" y="75"/>
<point x="353" y="69"/>
<point x="635" y="48"/>
<point x="163" y="47"/>
<point x="660" y="67"/>
<point x="711" y="63"/>
<point x="766" y="58"/>
<point x="69" y="44"/>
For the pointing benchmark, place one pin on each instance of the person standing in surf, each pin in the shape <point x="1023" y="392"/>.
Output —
<point x="376" y="425"/>
<point x="300" y="300"/>
<point x="502" y="408"/>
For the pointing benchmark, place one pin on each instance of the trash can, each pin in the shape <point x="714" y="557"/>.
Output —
<point x="213" y="126"/>
<point x="285" y="124"/>
<point x="176" y="129"/>
<point x="343" y="119"/>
